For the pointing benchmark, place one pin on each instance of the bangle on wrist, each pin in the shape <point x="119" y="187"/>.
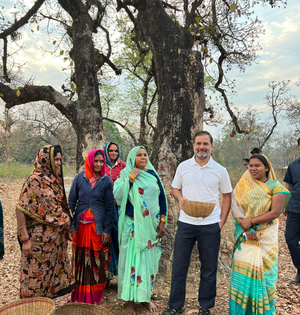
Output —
<point x="21" y="227"/>
<point x="26" y="240"/>
<point x="132" y="176"/>
<point x="163" y="220"/>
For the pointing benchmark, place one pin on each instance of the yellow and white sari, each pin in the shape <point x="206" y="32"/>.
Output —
<point x="254" y="263"/>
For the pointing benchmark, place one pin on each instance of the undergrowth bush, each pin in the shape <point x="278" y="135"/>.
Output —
<point x="15" y="170"/>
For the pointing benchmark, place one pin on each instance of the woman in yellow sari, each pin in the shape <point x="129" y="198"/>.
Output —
<point x="257" y="202"/>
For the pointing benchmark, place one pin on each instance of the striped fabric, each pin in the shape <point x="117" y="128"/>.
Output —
<point x="254" y="263"/>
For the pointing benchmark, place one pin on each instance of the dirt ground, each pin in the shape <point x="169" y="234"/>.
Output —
<point x="287" y="299"/>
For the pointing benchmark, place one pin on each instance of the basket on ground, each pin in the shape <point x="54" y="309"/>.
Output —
<point x="31" y="306"/>
<point x="197" y="209"/>
<point x="80" y="309"/>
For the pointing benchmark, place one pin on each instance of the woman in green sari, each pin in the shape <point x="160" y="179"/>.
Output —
<point x="143" y="216"/>
<point x="257" y="202"/>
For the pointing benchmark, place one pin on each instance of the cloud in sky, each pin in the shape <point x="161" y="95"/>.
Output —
<point x="279" y="58"/>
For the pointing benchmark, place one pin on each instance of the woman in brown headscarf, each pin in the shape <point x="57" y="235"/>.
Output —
<point x="43" y="224"/>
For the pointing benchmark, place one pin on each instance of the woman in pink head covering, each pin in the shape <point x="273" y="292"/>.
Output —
<point x="92" y="203"/>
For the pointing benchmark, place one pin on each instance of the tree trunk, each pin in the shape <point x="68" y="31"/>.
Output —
<point x="84" y="113"/>
<point x="87" y="121"/>
<point x="180" y="81"/>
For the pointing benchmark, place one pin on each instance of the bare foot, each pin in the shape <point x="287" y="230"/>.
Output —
<point x="151" y="307"/>
<point x="102" y="302"/>
<point x="129" y="309"/>
<point x="68" y="300"/>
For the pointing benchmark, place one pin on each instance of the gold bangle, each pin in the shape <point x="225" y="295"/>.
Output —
<point x="163" y="220"/>
<point x="130" y="175"/>
<point x="21" y="227"/>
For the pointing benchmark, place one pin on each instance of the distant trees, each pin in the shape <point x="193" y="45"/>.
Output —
<point x="182" y="40"/>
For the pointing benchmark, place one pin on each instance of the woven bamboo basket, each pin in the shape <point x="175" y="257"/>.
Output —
<point x="80" y="309"/>
<point x="197" y="209"/>
<point x="31" y="306"/>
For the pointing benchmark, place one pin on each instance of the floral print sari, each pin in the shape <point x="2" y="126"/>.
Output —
<point x="140" y="249"/>
<point x="47" y="273"/>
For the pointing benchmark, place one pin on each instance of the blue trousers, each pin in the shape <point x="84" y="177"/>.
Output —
<point x="292" y="237"/>
<point x="208" y="239"/>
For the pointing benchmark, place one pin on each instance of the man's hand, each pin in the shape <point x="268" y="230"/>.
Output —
<point x="180" y="200"/>
<point x="221" y="224"/>
<point x="104" y="238"/>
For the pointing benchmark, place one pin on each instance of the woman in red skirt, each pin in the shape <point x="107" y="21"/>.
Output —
<point x="92" y="203"/>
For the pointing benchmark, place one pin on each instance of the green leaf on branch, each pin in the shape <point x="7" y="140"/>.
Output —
<point x="61" y="52"/>
<point x="197" y="20"/>
<point x="18" y="93"/>
<point x="54" y="42"/>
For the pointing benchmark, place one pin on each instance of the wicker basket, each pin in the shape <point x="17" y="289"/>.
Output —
<point x="197" y="209"/>
<point x="80" y="309"/>
<point x="32" y="306"/>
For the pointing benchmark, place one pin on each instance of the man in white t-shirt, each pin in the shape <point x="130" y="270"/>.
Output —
<point x="199" y="179"/>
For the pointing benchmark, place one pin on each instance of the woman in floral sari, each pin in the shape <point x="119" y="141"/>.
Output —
<point x="92" y="203"/>
<point x="43" y="224"/>
<point x="142" y="221"/>
<point x="257" y="202"/>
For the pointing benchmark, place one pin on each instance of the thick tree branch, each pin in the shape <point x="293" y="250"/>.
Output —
<point x="37" y="93"/>
<point x="190" y="16"/>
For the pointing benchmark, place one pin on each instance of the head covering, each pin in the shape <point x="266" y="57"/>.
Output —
<point x="44" y="162"/>
<point x="89" y="168"/>
<point x="252" y="198"/>
<point x="141" y="197"/>
<point x="43" y="197"/>
<point x="106" y="149"/>
<point x="89" y="164"/>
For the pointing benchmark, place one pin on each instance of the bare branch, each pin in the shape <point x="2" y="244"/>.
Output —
<point x="125" y="128"/>
<point x="149" y="110"/>
<point x="24" y="20"/>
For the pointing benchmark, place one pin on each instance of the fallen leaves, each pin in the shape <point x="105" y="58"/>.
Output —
<point x="287" y="297"/>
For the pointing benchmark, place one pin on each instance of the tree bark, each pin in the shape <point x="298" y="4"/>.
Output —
<point x="84" y="113"/>
<point x="179" y="78"/>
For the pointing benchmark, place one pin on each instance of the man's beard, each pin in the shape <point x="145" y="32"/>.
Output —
<point x="203" y="155"/>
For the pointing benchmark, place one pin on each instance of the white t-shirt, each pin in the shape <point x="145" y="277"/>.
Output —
<point x="202" y="183"/>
